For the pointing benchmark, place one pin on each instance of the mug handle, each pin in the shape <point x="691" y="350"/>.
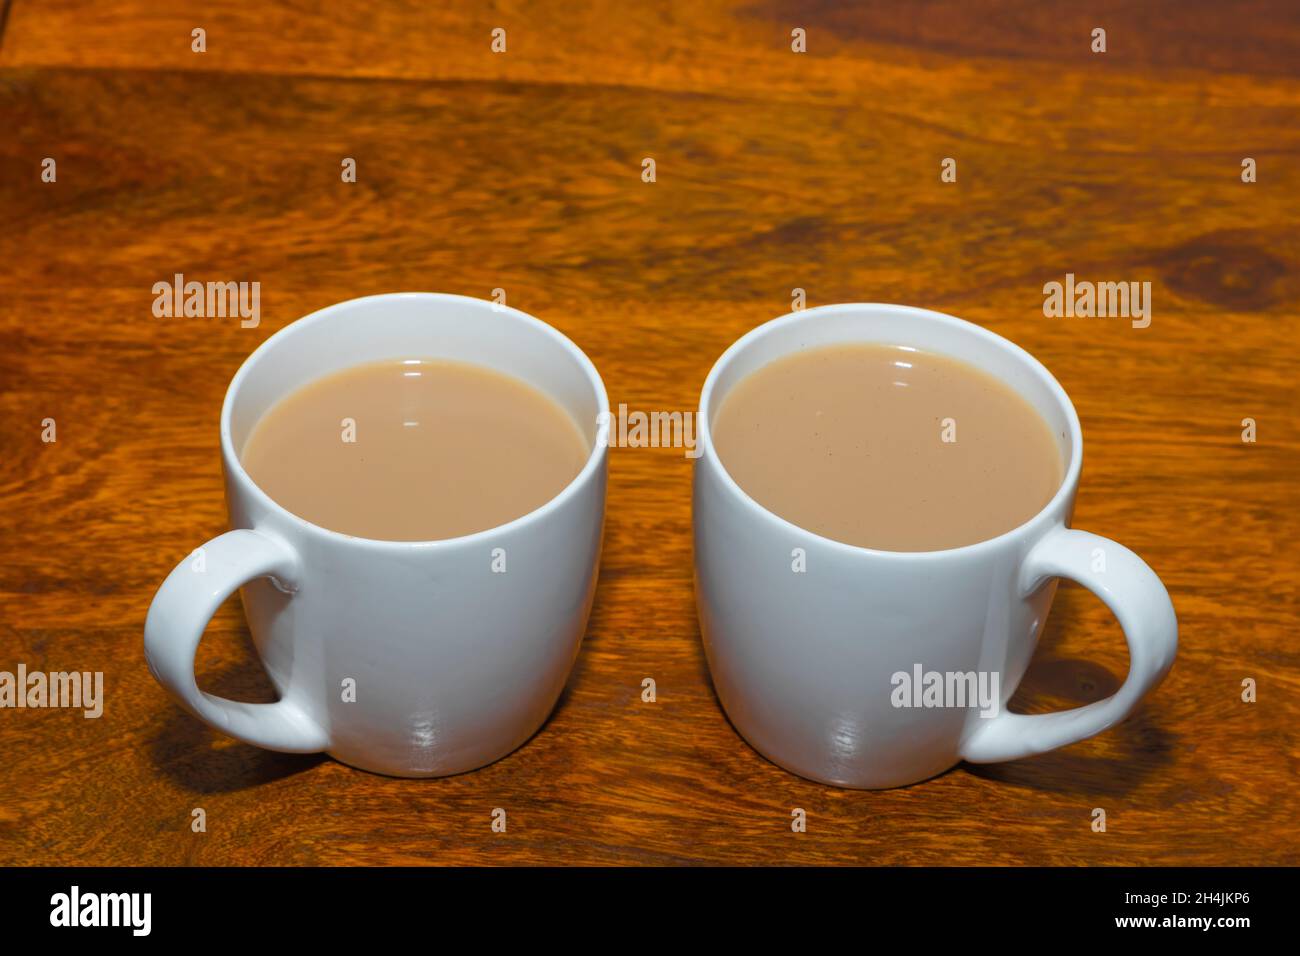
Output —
<point x="181" y="610"/>
<point x="1138" y="599"/>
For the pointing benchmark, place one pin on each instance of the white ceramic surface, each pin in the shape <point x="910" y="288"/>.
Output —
<point x="802" y="662"/>
<point x="454" y="665"/>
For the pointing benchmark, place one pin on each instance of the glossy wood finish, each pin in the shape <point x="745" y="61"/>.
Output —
<point x="775" y="170"/>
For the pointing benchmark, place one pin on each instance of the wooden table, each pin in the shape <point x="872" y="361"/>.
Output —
<point x="775" y="170"/>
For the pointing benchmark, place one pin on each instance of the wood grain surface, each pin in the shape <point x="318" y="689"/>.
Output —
<point x="775" y="171"/>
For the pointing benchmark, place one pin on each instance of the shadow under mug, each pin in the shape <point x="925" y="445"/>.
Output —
<point x="413" y="659"/>
<point x="806" y="664"/>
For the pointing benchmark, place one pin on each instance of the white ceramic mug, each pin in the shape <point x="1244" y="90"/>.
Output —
<point x="453" y="665"/>
<point x="806" y="663"/>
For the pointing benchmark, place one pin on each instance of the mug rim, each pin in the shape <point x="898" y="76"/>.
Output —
<point x="235" y="467"/>
<point x="1065" y="490"/>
